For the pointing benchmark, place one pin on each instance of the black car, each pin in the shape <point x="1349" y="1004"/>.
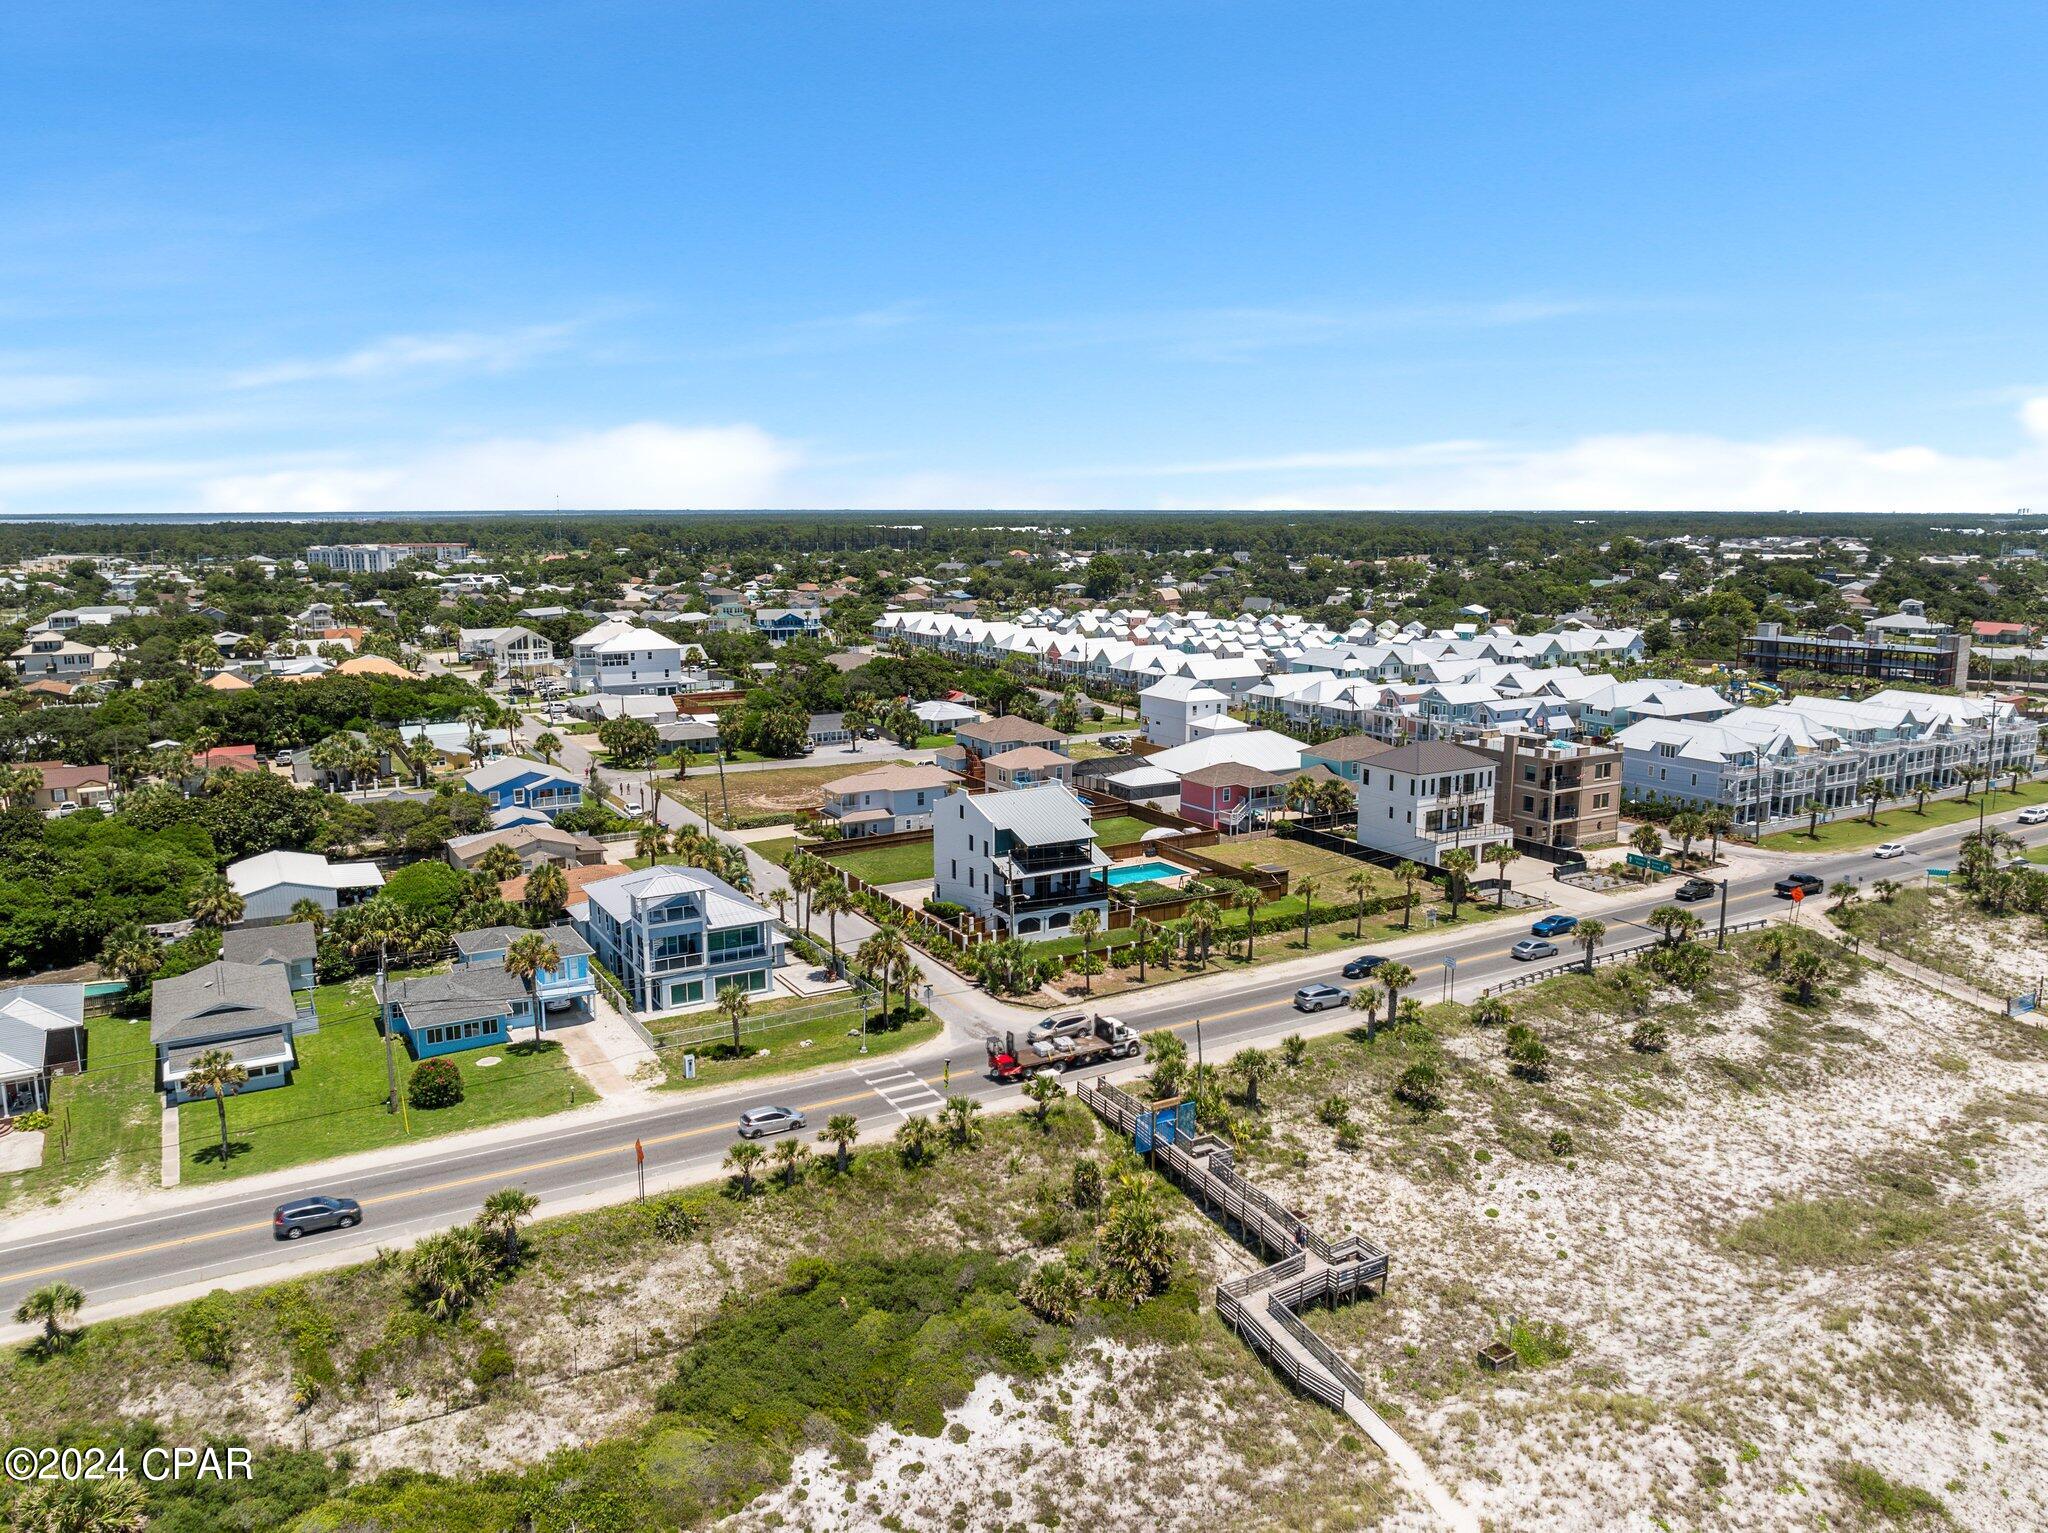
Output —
<point x="1696" y="889"/>
<point x="1806" y="883"/>
<point x="303" y="1215"/>
<point x="1361" y="968"/>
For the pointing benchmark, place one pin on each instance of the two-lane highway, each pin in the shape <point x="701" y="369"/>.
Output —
<point x="227" y="1239"/>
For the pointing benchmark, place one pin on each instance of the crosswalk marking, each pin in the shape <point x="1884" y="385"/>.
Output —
<point x="901" y="1088"/>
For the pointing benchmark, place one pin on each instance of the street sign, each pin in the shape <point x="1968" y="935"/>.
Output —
<point x="1798" y="893"/>
<point x="689" y="1067"/>
<point x="1653" y="864"/>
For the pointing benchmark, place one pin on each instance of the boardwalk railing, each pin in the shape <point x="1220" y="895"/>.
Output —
<point x="1610" y="955"/>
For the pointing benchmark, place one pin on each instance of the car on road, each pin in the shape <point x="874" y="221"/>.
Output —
<point x="756" y="1121"/>
<point x="1806" y="883"/>
<point x="1554" y="926"/>
<point x="1361" y="968"/>
<point x="1319" y="998"/>
<point x="304" y="1216"/>
<point x="1696" y="889"/>
<point x="1889" y="849"/>
<point x="2034" y="814"/>
<point x="1061" y="1024"/>
<point x="1532" y="947"/>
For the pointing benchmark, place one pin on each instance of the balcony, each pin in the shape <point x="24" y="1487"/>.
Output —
<point x="1032" y="860"/>
<point x="1078" y="894"/>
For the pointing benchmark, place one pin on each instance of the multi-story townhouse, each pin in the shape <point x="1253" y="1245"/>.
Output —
<point x="513" y="650"/>
<point x="1174" y="703"/>
<point x="675" y="937"/>
<point x="565" y="988"/>
<point x="976" y="743"/>
<point x="1026" y="862"/>
<point x="1555" y="792"/>
<point x="1423" y="800"/>
<point x="381" y="558"/>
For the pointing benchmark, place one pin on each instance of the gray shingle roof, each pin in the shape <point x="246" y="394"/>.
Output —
<point x="287" y="943"/>
<point x="467" y="993"/>
<point x="1426" y="756"/>
<point x="496" y="939"/>
<point x="220" y="999"/>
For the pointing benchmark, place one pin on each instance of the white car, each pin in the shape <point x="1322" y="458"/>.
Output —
<point x="2034" y="814"/>
<point x="1889" y="849"/>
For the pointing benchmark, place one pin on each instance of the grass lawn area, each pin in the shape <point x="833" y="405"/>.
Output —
<point x="1087" y="750"/>
<point x="776" y="851"/>
<point x="1302" y="860"/>
<point x="335" y="1104"/>
<point x="2037" y="854"/>
<point x="112" y="1110"/>
<point x="830" y="1038"/>
<point x="933" y="742"/>
<point x="889" y="864"/>
<point x="1844" y="833"/>
<point x="1120" y="829"/>
<point x="763" y="798"/>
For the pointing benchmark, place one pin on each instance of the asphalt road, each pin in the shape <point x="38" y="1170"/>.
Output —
<point x="229" y="1237"/>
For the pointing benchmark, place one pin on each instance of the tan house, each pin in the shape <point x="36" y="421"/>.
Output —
<point x="974" y="745"/>
<point x="532" y="844"/>
<point x="1556" y="792"/>
<point x="888" y="800"/>
<point x="1027" y="767"/>
<point x="67" y="789"/>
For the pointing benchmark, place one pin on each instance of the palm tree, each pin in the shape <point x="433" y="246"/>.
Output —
<point x="549" y="744"/>
<point x="1250" y="899"/>
<point x="650" y="843"/>
<point x="133" y="954"/>
<point x="1360" y="884"/>
<point x="960" y="1125"/>
<point x="215" y="1074"/>
<point x="1500" y="854"/>
<point x="1971" y="774"/>
<point x="1306" y="888"/>
<point x="1043" y="1090"/>
<point x="49" y="1307"/>
<point x="387" y="743"/>
<point x="1300" y="794"/>
<point x="308" y="912"/>
<point x="1457" y="865"/>
<point x="1086" y="924"/>
<point x="840" y="1131"/>
<point x="1146" y="932"/>
<point x="916" y="1140"/>
<point x="503" y="1212"/>
<point x="1677" y="927"/>
<point x="1589" y="934"/>
<point x="881" y="955"/>
<point x="1251" y="1067"/>
<point x="743" y="1157"/>
<point x="1872" y="788"/>
<point x="790" y="1156"/>
<point x="1812" y="809"/>
<point x="1804" y="969"/>
<point x="832" y="897"/>
<point x="734" y="1004"/>
<point x="1717" y="822"/>
<point x="1202" y="919"/>
<point x="529" y="957"/>
<point x="214" y="903"/>
<point x="547" y="893"/>
<point x="1647" y="840"/>
<point x="1687" y="825"/>
<point x="1396" y="976"/>
<point x="499" y="862"/>
<point x="1407" y="873"/>
<point x="334" y="755"/>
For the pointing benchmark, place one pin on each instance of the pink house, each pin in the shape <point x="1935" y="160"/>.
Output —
<point x="1230" y="796"/>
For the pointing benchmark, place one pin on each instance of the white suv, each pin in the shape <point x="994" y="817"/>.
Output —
<point x="2034" y="814"/>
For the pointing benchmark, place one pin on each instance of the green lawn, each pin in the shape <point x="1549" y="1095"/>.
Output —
<point x="933" y="742"/>
<point x="889" y="864"/>
<point x="830" y="1038"/>
<point x="776" y="851"/>
<point x="335" y="1104"/>
<point x="108" y="1119"/>
<point x="1845" y="833"/>
<point x="1120" y="829"/>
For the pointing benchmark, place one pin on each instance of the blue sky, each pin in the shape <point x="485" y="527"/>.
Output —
<point x="274" y="258"/>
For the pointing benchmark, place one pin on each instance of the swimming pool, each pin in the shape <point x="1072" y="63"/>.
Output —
<point x="1142" y="872"/>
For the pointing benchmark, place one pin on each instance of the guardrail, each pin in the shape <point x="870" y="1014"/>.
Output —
<point x="1607" y="955"/>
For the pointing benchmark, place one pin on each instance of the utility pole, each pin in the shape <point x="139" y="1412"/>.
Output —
<point x="1721" y="940"/>
<point x="390" y="1059"/>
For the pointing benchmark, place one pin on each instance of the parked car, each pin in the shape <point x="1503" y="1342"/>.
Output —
<point x="1116" y="742"/>
<point x="1533" y="947"/>
<point x="2034" y="814"/>
<point x="1806" y="883"/>
<point x="1696" y="889"/>
<point x="1319" y="998"/>
<point x="303" y="1216"/>
<point x="1554" y="926"/>
<point x="756" y="1121"/>
<point x="1361" y="968"/>
<point x="871" y="733"/>
<point x="1890" y="849"/>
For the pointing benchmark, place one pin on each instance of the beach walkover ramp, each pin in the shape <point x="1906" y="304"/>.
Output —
<point x="1264" y="1307"/>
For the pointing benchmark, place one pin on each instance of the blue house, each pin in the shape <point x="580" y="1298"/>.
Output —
<point x="472" y="1006"/>
<point x="781" y="624"/>
<point x="570" y="985"/>
<point x="516" y="782"/>
<point x="244" y="1010"/>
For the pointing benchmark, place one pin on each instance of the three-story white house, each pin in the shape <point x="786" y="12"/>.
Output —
<point x="1024" y="861"/>
<point x="675" y="937"/>
<point x="623" y="659"/>
<point x="1420" y="801"/>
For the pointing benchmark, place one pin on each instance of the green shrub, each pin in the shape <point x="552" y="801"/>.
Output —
<point x="1537" y="1342"/>
<point x="673" y="1218"/>
<point x="35" y="1122"/>
<point x="1649" y="1036"/>
<point x="434" y="1083"/>
<point x="205" y="1329"/>
<point x="494" y="1361"/>
<point x="1887" y="1498"/>
<point x="1087" y="1188"/>
<point x="309" y="1334"/>
<point x="1420" y="1086"/>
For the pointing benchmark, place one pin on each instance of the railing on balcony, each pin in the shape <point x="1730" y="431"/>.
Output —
<point x="1080" y="894"/>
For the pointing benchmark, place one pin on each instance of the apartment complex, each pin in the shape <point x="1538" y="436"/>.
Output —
<point x="1555" y="792"/>
<point x="381" y="558"/>
<point x="1942" y="661"/>
<point x="1026" y="862"/>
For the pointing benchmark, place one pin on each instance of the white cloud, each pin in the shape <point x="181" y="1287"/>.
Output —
<point x="396" y="356"/>
<point x="1662" y="471"/>
<point x="649" y="465"/>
